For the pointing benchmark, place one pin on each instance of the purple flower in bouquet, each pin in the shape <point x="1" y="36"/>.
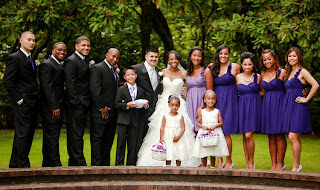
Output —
<point x="204" y="133"/>
<point x="214" y="133"/>
<point x="211" y="132"/>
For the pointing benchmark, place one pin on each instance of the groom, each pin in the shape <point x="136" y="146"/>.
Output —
<point x="149" y="80"/>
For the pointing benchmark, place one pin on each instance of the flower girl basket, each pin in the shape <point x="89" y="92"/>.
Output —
<point x="209" y="138"/>
<point x="159" y="152"/>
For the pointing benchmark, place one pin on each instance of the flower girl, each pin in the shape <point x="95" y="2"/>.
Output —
<point x="211" y="124"/>
<point x="171" y="133"/>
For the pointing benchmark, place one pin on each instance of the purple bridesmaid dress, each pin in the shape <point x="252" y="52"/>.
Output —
<point x="296" y="116"/>
<point x="271" y="122"/>
<point x="249" y="107"/>
<point x="227" y="101"/>
<point x="197" y="88"/>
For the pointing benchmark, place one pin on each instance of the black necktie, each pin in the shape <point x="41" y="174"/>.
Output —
<point x="114" y="74"/>
<point x="33" y="66"/>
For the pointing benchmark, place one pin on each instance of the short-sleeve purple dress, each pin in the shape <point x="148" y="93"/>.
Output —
<point x="197" y="88"/>
<point x="227" y="101"/>
<point x="249" y="107"/>
<point x="296" y="116"/>
<point x="271" y="122"/>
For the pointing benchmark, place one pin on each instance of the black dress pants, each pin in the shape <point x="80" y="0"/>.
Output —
<point x="51" y="134"/>
<point x="25" y="118"/>
<point x="142" y="131"/>
<point x="127" y="136"/>
<point x="102" y="133"/>
<point x="76" y="125"/>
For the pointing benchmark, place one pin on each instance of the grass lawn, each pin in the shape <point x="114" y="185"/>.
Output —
<point x="309" y="157"/>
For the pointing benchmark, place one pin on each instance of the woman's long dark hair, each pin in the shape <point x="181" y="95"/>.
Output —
<point x="190" y="66"/>
<point x="288" y="67"/>
<point x="215" y="68"/>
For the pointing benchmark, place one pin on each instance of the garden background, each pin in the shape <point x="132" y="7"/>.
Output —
<point x="133" y="25"/>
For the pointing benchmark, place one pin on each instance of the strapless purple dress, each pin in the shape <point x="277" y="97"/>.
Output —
<point x="227" y="101"/>
<point x="249" y="107"/>
<point x="272" y="106"/>
<point x="197" y="88"/>
<point x="296" y="116"/>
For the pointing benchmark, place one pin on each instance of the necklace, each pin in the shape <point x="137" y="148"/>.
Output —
<point x="249" y="79"/>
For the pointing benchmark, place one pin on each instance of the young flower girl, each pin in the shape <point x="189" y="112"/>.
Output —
<point x="171" y="133"/>
<point x="211" y="123"/>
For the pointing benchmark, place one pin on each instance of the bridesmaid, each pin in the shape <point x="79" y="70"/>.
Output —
<point x="248" y="84"/>
<point x="224" y="73"/>
<point x="296" y="110"/>
<point x="199" y="80"/>
<point x="272" y="83"/>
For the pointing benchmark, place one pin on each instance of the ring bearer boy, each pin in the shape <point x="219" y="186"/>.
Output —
<point x="128" y="118"/>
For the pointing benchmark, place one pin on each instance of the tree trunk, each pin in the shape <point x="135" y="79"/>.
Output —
<point x="161" y="27"/>
<point x="246" y="7"/>
<point x="42" y="46"/>
<point x="203" y="30"/>
<point x="152" y="18"/>
<point x="14" y="47"/>
<point x="145" y="27"/>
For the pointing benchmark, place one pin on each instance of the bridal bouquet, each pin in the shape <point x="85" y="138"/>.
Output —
<point x="209" y="138"/>
<point x="159" y="152"/>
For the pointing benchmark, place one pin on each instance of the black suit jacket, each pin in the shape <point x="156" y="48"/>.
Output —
<point x="143" y="81"/>
<point x="20" y="79"/>
<point x="103" y="88"/>
<point x="76" y="73"/>
<point x="132" y="114"/>
<point x="51" y="78"/>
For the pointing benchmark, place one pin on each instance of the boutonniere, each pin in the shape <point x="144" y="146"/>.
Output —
<point x="92" y="62"/>
<point x="160" y="75"/>
<point x="37" y="63"/>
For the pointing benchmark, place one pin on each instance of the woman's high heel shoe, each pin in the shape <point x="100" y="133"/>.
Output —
<point x="284" y="167"/>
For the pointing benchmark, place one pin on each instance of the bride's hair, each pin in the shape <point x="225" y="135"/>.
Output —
<point x="177" y="54"/>
<point x="173" y="97"/>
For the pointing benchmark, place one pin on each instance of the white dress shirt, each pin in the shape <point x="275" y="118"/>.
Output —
<point x="81" y="56"/>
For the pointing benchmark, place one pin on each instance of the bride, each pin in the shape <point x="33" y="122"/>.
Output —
<point x="173" y="81"/>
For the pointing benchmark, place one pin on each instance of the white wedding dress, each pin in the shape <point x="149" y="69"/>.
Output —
<point x="153" y="134"/>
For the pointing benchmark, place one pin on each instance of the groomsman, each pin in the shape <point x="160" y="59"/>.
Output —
<point x="149" y="80"/>
<point x="20" y="80"/>
<point x="103" y="88"/>
<point x="76" y="71"/>
<point x="51" y="78"/>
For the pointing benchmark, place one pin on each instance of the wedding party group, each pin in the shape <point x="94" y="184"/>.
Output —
<point x="187" y="115"/>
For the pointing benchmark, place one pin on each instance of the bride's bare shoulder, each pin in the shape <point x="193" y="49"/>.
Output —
<point x="164" y="70"/>
<point x="184" y="73"/>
